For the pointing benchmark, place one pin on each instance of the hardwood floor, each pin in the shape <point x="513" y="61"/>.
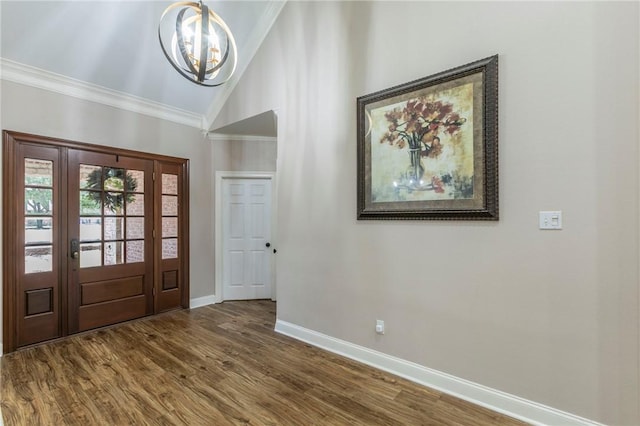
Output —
<point x="217" y="365"/>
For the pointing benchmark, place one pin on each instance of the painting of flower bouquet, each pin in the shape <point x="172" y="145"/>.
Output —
<point x="428" y="149"/>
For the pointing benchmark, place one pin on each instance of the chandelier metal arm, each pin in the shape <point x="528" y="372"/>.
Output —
<point x="204" y="42"/>
<point x="181" y="45"/>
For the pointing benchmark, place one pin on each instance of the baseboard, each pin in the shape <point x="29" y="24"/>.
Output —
<point x="202" y="301"/>
<point x="510" y="405"/>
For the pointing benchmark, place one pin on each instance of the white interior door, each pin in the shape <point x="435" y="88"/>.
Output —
<point x="246" y="234"/>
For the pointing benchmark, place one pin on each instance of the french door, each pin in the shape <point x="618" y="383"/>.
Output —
<point x="110" y="225"/>
<point x="91" y="237"/>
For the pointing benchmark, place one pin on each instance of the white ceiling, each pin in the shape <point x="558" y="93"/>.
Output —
<point x="114" y="44"/>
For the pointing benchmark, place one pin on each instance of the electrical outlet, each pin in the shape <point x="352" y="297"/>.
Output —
<point x="379" y="326"/>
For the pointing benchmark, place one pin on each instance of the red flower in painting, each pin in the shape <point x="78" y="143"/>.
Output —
<point x="437" y="184"/>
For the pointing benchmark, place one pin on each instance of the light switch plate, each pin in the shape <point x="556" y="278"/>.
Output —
<point x="551" y="220"/>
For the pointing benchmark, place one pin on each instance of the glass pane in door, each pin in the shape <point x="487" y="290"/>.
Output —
<point x="114" y="179"/>
<point x="90" y="177"/>
<point x="113" y="253"/>
<point x="169" y="248"/>
<point x="90" y="255"/>
<point x="38" y="172"/>
<point x="135" y="205"/>
<point x="135" y="251"/>
<point x="113" y="228"/>
<point x="135" y="228"/>
<point x="135" y="181"/>
<point x="90" y="228"/>
<point x="38" y="230"/>
<point x="38" y="259"/>
<point x="90" y="203"/>
<point x="38" y="201"/>
<point x="169" y="205"/>
<point x="113" y="203"/>
<point x="169" y="184"/>
<point x="169" y="227"/>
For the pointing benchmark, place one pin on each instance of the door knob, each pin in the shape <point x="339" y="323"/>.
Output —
<point x="268" y="244"/>
<point x="75" y="249"/>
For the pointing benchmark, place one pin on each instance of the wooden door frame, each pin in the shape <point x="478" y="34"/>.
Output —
<point x="10" y="140"/>
<point x="218" y="243"/>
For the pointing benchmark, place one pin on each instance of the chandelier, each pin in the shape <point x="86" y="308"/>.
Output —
<point x="198" y="43"/>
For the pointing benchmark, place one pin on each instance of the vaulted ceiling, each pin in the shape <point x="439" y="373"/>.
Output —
<point x="113" y="45"/>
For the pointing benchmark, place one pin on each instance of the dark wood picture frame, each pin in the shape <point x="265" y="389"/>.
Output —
<point x="428" y="149"/>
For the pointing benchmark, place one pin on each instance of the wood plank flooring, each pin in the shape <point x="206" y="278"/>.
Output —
<point x="217" y="365"/>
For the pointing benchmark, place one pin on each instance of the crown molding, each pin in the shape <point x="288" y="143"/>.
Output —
<point x="42" y="79"/>
<point x="254" y="42"/>
<point x="216" y="137"/>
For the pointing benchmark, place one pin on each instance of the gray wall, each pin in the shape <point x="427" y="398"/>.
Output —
<point x="45" y="113"/>
<point x="246" y="154"/>
<point x="551" y="316"/>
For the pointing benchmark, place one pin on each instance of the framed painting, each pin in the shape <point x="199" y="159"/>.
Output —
<point x="428" y="149"/>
